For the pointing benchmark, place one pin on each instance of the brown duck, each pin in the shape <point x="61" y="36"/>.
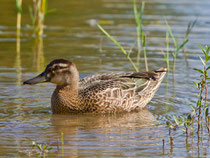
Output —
<point x="102" y="93"/>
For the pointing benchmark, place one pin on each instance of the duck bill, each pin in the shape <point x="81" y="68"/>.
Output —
<point x="38" y="79"/>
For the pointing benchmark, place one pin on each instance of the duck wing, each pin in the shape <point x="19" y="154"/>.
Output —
<point x="121" y="91"/>
<point x="136" y="81"/>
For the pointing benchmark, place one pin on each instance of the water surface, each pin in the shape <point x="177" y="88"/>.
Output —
<point x="71" y="33"/>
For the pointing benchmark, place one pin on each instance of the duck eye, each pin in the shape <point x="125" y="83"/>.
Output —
<point x="57" y="67"/>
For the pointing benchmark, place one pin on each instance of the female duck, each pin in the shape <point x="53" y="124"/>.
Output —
<point x="104" y="93"/>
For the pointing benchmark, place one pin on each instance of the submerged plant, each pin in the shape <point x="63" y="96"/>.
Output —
<point x="186" y="122"/>
<point x="42" y="149"/>
<point x="171" y="127"/>
<point x="37" y="148"/>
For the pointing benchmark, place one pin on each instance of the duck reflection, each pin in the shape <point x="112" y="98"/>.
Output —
<point x="94" y="130"/>
<point x="69" y="124"/>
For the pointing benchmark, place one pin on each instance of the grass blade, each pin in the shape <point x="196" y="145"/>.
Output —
<point x="201" y="48"/>
<point x="202" y="61"/>
<point x="182" y="45"/>
<point x="119" y="45"/>
<point x="113" y="40"/>
<point x="176" y="119"/>
<point x="171" y="34"/>
<point x="198" y="70"/>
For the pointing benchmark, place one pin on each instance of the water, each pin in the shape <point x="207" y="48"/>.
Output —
<point x="71" y="33"/>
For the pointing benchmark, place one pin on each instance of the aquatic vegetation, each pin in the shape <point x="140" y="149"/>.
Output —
<point x="127" y="54"/>
<point x="19" y="11"/>
<point x="199" y="116"/>
<point x="18" y="30"/>
<point x="40" y="149"/>
<point x="170" y="128"/>
<point x="37" y="14"/>
<point x="140" y="38"/>
<point x="176" y="47"/>
<point x="202" y="106"/>
<point x="18" y="24"/>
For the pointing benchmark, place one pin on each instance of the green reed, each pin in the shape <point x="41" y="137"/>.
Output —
<point x="200" y="111"/>
<point x="140" y="38"/>
<point x="37" y="13"/>
<point x="166" y="55"/>
<point x="190" y="26"/>
<point x="120" y="46"/>
<point x="176" y="46"/>
<point x="19" y="11"/>
<point x="18" y="24"/>
<point x="202" y="106"/>
<point x="18" y="31"/>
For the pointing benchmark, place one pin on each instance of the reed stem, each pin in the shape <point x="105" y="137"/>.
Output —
<point x="145" y="53"/>
<point x="62" y="145"/>
<point x="18" y="25"/>
<point x="163" y="146"/>
<point x="19" y="10"/>
<point x="40" y="17"/>
<point x="138" y="30"/>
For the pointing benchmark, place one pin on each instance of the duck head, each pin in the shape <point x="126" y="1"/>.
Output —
<point x="59" y="71"/>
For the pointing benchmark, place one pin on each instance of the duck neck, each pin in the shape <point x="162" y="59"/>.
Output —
<point x="71" y="89"/>
<point x="65" y="99"/>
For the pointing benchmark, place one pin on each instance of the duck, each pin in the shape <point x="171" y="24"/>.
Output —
<point x="100" y="93"/>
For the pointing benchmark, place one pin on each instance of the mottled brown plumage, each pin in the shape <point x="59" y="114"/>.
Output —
<point x="103" y="93"/>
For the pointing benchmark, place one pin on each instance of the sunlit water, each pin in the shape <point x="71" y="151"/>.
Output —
<point x="71" y="34"/>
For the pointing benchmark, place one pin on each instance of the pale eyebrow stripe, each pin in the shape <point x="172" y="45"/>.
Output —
<point x="62" y="65"/>
<point x="61" y="70"/>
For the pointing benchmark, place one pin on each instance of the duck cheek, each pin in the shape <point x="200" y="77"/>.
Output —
<point x="57" y="80"/>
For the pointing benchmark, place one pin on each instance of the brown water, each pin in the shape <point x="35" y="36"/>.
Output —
<point x="71" y="34"/>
